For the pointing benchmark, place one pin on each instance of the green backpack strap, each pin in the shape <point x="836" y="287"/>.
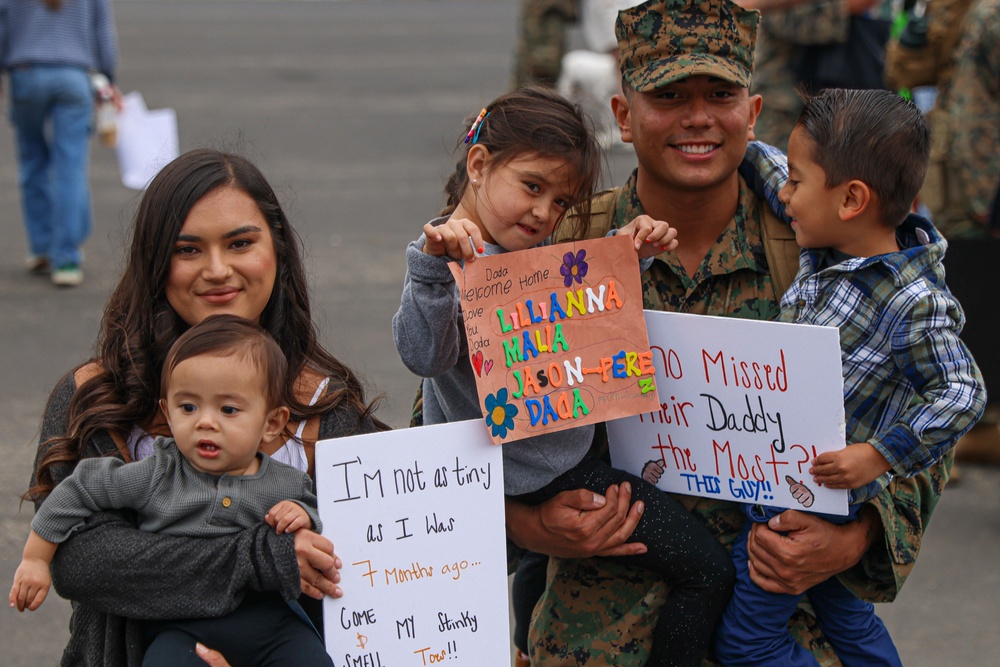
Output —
<point x="780" y="249"/>
<point x="602" y="213"/>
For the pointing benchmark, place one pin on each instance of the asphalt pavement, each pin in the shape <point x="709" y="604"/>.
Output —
<point x="351" y="109"/>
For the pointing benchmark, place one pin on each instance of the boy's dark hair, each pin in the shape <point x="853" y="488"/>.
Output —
<point x="534" y="120"/>
<point x="874" y="136"/>
<point x="232" y="336"/>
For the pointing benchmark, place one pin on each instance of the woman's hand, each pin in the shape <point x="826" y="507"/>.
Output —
<point x="794" y="551"/>
<point x="318" y="565"/>
<point x="578" y="524"/>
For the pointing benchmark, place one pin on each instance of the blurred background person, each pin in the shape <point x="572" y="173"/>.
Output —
<point x="541" y="40"/>
<point x="49" y="49"/>
<point x="961" y="189"/>
<point x="818" y="43"/>
<point x="589" y="76"/>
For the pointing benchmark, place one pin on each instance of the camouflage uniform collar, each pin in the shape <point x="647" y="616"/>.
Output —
<point x="739" y="246"/>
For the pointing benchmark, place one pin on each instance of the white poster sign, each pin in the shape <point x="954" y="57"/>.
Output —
<point x="417" y="517"/>
<point x="745" y="408"/>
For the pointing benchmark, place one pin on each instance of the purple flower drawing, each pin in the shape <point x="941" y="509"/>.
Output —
<point x="574" y="267"/>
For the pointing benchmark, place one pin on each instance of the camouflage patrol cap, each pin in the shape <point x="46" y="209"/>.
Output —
<point x="662" y="41"/>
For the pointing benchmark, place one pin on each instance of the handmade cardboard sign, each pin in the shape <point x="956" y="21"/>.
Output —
<point x="556" y="336"/>
<point x="745" y="407"/>
<point x="417" y="518"/>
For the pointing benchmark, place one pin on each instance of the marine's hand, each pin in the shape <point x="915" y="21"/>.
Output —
<point x="796" y="550"/>
<point x="651" y="236"/>
<point x="849" y="468"/>
<point x="32" y="581"/>
<point x="458" y="238"/>
<point x="210" y="656"/>
<point x="318" y="565"/>
<point x="287" y="517"/>
<point x="578" y="524"/>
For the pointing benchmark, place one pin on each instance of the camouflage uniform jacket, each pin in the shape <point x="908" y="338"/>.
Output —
<point x="600" y="612"/>
<point x="973" y="104"/>
<point x="542" y="40"/>
<point x="781" y="33"/>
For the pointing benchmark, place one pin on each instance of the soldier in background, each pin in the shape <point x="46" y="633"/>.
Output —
<point x="542" y="40"/>
<point x="971" y="100"/>
<point x="960" y="190"/>
<point x="782" y="35"/>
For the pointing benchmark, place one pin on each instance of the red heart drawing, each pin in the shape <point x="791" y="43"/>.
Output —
<point x="488" y="366"/>
<point x="477" y="363"/>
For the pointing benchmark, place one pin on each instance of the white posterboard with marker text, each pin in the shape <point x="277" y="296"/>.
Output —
<point x="416" y="515"/>
<point x="745" y="406"/>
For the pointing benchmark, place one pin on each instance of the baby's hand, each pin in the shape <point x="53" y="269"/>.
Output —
<point x="453" y="239"/>
<point x="651" y="236"/>
<point x="287" y="517"/>
<point x="849" y="468"/>
<point x="31" y="584"/>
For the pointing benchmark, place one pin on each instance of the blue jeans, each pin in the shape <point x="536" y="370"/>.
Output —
<point x="52" y="109"/>
<point x="754" y="627"/>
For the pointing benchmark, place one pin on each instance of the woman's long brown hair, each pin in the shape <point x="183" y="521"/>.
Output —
<point x="139" y="326"/>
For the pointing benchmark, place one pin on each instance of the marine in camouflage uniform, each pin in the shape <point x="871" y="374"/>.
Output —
<point x="971" y="99"/>
<point x="599" y="612"/>
<point x="782" y="32"/>
<point x="542" y="41"/>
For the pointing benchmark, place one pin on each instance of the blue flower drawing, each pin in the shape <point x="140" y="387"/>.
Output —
<point x="500" y="414"/>
<point x="574" y="267"/>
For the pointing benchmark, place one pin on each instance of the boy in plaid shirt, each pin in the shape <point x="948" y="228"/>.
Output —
<point x="856" y="160"/>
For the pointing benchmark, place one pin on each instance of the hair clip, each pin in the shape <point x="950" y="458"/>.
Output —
<point x="477" y="125"/>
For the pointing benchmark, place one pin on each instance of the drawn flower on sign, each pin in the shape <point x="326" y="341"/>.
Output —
<point x="574" y="267"/>
<point x="499" y="413"/>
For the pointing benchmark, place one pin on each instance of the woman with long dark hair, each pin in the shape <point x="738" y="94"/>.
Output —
<point x="209" y="237"/>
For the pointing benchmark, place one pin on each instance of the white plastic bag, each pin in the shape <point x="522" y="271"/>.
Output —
<point x="147" y="140"/>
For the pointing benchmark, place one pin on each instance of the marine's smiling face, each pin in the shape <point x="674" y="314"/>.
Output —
<point x="691" y="133"/>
